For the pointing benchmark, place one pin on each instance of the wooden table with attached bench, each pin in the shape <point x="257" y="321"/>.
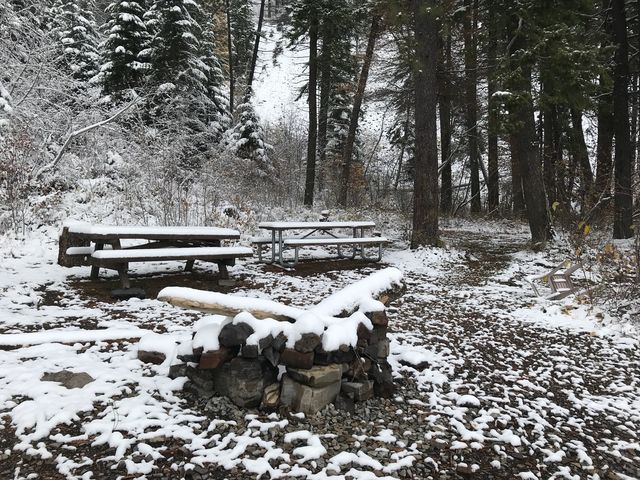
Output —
<point x="323" y="233"/>
<point x="84" y="244"/>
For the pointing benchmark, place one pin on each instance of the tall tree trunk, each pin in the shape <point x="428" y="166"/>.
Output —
<point x="471" y="101"/>
<point x="425" y="192"/>
<point x="493" y="183"/>
<point x="313" y="111"/>
<point x="604" y="147"/>
<point x="549" y="155"/>
<point x="404" y="147"/>
<point x="516" y="178"/>
<point x="581" y="155"/>
<point x="323" y="120"/>
<point x="444" y="89"/>
<point x="623" y="198"/>
<point x="256" y="46"/>
<point x="230" y="52"/>
<point x="521" y="114"/>
<point x="347" y="157"/>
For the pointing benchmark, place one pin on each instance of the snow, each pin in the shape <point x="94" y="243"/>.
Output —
<point x="236" y="302"/>
<point x="186" y="252"/>
<point x="487" y="372"/>
<point x="69" y="336"/>
<point x="149" y="231"/>
<point x="314" y="225"/>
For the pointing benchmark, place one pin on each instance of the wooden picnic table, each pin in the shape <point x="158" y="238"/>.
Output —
<point x="162" y="244"/>
<point x="328" y="236"/>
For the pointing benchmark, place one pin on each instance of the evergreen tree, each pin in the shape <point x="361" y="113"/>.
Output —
<point x="75" y="29"/>
<point x="185" y="76"/>
<point x="242" y="34"/>
<point x="123" y="68"/>
<point x="174" y="51"/>
<point x="247" y="138"/>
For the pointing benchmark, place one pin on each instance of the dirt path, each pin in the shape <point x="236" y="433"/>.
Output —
<point x="550" y="402"/>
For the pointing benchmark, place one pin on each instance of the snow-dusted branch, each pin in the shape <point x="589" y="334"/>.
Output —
<point x="51" y="165"/>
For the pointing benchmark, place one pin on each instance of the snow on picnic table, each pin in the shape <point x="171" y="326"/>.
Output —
<point x="145" y="231"/>
<point x="492" y="382"/>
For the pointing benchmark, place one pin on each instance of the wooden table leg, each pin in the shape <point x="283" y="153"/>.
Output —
<point x="124" y="276"/>
<point x="95" y="270"/>
<point x="224" y="272"/>
<point x="189" y="266"/>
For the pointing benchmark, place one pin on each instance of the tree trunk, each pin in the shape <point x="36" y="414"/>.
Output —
<point x="444" y="88"/>
<point x="581" y="156"/>
<point x="493" y="183"/>
<point x="623" y="198"/>
<point x="256" y="46"/>
<point x="522" y="120"/>
<point x="230" y="52"/>
<point x="471" y="101"/>
<point x="347" y="157"/>
<point x="425" y="193"/>
<point x="549" y="155"/>
<point x="323" y="120"/>
<point x="516" y="178"/>
<point x="604" y="148"/>
<point x="313" y="111"/>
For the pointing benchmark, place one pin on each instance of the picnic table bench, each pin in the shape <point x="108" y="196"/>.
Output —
<point x="100" y="246"/>
<point x="329" y="236"/>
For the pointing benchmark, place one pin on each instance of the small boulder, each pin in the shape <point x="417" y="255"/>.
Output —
<point x="68" y="379"/>
<point x="306" y="399"/>
<point x="215" y="358"/>
<point x="358" y="391"/>
<point x="307" y="343"/>
<point x="151" y="357"/>
<point x="234" y="335"/>
<point x="317" y="376"/>
<point x="271" y="397"/>
<point x="294" y="359"/>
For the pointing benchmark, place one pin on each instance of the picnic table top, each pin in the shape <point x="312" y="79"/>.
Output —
<point x="152" y="233"/>
<point x="314" y="225"/>
<point x="163" y="253"/>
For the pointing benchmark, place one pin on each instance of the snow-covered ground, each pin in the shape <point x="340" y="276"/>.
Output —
<point x="491" y="381"/>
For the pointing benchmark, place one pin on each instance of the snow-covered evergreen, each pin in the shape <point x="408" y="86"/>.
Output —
<point x="247" y="138"/>
<point x="75" y="29"/>
<point x="122" y="66"/>
<point x="185" y="74"/>
<point x="174" y="51"/>
<point x="243" y="32"/>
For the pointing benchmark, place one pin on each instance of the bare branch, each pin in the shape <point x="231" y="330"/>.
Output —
<point x="51" y="165"/>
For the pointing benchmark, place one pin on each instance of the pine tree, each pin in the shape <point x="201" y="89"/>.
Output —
<point x="216" y="113"/>
<point x="185" y="76"/>
<point x="123" y="67"/>
<point x="247" y="138"/>
<point x="75" y="29"/>
<point x="174" y="51"/>
<point x="242" y="34"/>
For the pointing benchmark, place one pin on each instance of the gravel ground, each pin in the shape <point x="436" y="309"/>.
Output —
<point x="494" y="396"/>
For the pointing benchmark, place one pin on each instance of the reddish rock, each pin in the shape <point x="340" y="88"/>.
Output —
<point x="378" y="318"/>
<point x="364" y="335"/>
<point x="216" y="358"/>
<point x="151" y="357"/>
<point x="307" y="343"/>
<point x="291" y="358"/>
